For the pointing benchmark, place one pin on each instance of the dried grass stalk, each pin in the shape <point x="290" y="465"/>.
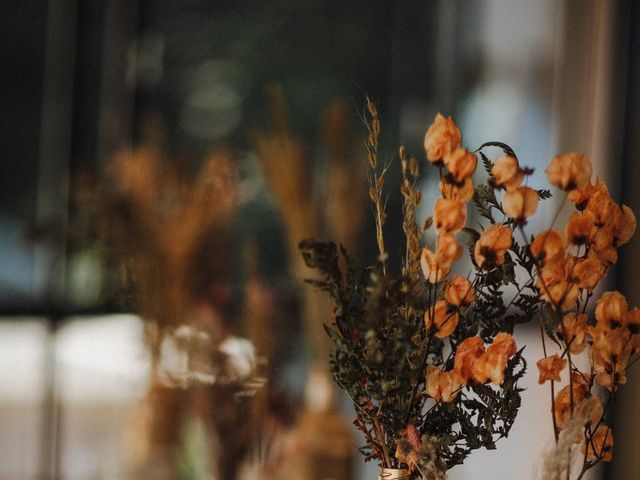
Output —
<point x="376" y="179"/>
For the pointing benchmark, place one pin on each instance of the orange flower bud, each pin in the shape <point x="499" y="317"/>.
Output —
<point x="459" y="191"/>
<point x="492" y="246"/>
<point x="600" y="445"/>
<point x="569" y="171"/>
<point x="548" y="246"/>
<point x="611" y="310"/>
<point x="549" y="368"/>
<point x="445" y="321"/>
<point x="461" y="164"/>
<point x="467" y="353"/>
<point x="442" y="386"/>
<point x="459" y="291"/>
<point x="507" y="173"/>
<point x="580" y="228"/>
<point x="520" y="203"/>
<point x="490" y="366"/>
<point x="573" y="330"/>
<point x="449" y="215"/>
<point x="442" y="138"/>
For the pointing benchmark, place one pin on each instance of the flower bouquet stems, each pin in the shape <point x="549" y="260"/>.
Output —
<point x="427" y="355"/>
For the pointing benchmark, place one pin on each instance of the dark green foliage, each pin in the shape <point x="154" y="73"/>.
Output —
<point x="382" y="348"/>
<point x="544" y="194"/>
<point x="484" y="199"/>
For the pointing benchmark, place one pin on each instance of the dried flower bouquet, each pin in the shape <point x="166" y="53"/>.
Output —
<point x="428" y="357"/>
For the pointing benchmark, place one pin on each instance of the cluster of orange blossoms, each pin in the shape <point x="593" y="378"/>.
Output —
<point x="570" y="265"/>
<point x="472" y="362"/>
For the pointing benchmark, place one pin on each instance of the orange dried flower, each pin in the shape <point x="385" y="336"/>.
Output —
<point x="548" y="246"/>
<point x="569" y="171"/>
<point x="562" y="401"/>
<point x="580" y="196"/>
<point x="599" y="206"/>
<point x="467" y="353"/>
<point x="459" y="291"/>
<point x="610" y="353"/>
<point x="586" y="406"/>
<point x="503" y="344"/>
<point x="507" y="173"/>
<point x="573" y="330"/>
<point x="442" y="138"/>
<point x="492" y="246"/>
<point x="461" y="164"/>
<point x="445" y="321"/>
<point x="625" y="227"/>
<point x="555" y="282"/>
<point x="562" y="407"/>
<point x="588" y="272"/>
<point x="436" y="265"/>
<point x="592" y="409"/>
<point x="632" y="321"/>
<point x="520" y="203"/>
<point x="580" y="228"/>
<point x="449" y="216"/>
<point x="632" y="325"/>
<point x="549" y="368"/>
<point x="490" y="366"/>
<point x="452" y="190"/>
<point x="600" y="445"/>
<point x="581" y="381"/>
<point x="560" y="293"/>
<point x="611" y="310"/>
<point x="433" y="270"/>
<point x="602" y="246"/>
<point x="442" y="386"/>
<point x="448" y="249"/>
